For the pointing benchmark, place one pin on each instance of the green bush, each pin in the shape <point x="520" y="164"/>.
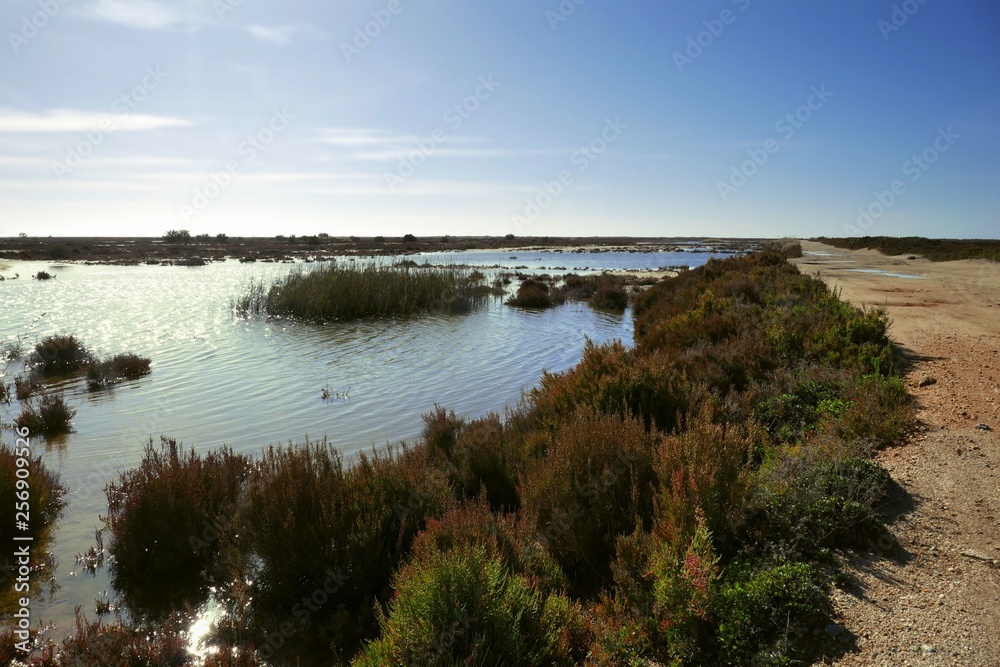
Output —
<point x="613" y="379"/>
<point x="759" y="610"/>
<point x="463" y="607"/>
<point x="808" y="501"/>
<point x="474" y="526"/>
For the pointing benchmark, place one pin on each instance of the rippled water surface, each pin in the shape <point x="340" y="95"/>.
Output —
<point x="218" y="379"/>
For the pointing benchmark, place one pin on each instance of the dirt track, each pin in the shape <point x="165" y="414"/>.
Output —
<point x="935" y="598"/>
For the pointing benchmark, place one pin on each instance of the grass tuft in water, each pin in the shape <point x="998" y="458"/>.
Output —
<point x="121" y="367"/>
<point x="48" y="416"/>
<point x="360" y="291"/>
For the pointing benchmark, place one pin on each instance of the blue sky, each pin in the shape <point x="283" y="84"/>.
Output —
<point x="532" y="117"/>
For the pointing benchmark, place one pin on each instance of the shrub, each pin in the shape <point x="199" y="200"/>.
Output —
<point x="60" y="251"/>
<point x="704" y="475"/>
<point x="807" y="501"/>
<point x="165" y="517"/>
<point x="50" y="416"/>
<point x="441" y="429"/>
<point x="759" y="606"/>
<point x="311" y="527"/>
<point x="45" y="498"/>
<point x="613" y="379"/>
<point x="533" y="293"/>
<point x="473" y="525"/>
<point x="685" y="587"/>
<point x="879" y="411"/>
<point x="462" y="607"/>
<point x="614" y="299"/>
<point x="177" y="236"/>
<point x="479" y="455"/>
<point x="117" y="645"/>
<point x="787" y="247"/>
<point x="591" y="485"/>
<point x="44" y="275"/>
<point x="59" y="355"/>
<point x="103" y="374"/>
<point x="26" y="387"/>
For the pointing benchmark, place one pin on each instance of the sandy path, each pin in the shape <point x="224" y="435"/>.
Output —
<point x="934" y="599"/>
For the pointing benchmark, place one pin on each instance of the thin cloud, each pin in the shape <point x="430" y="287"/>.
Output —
<point x="275" y="35"/>
<point x="71" y="120"/>
<point x="402" y="152"/>
<point x="138" y="14"/>
<point x="358" y="136"/>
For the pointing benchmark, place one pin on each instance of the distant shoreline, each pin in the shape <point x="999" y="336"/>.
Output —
<point x="146" y="250"/>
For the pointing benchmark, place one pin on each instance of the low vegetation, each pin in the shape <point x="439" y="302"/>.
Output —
<point x="682" y="501"/>
<point x="115" y="369"/>
<point x="936" y="250"/>
<point x="59" y="355"/>
<point x="164" y="520"/>
<point x="45" y="499"/>
<point x="535" y="294"/>
<point x="343" y="291"/>
<point x="46" y="415"/>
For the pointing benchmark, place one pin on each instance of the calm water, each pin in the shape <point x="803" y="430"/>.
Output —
<point x="223" y="380"/>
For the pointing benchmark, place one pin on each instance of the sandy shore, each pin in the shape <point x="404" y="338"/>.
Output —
<point x="934" y="599"/>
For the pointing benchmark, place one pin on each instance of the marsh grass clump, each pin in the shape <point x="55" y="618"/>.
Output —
<point x="165" y="518"/>
<point x="120" y="367"/>
<point x="340" y="292"/>
<point x="48" y="416"/>
<point x="44" y="275"/>
<point x="59" y="355"/>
